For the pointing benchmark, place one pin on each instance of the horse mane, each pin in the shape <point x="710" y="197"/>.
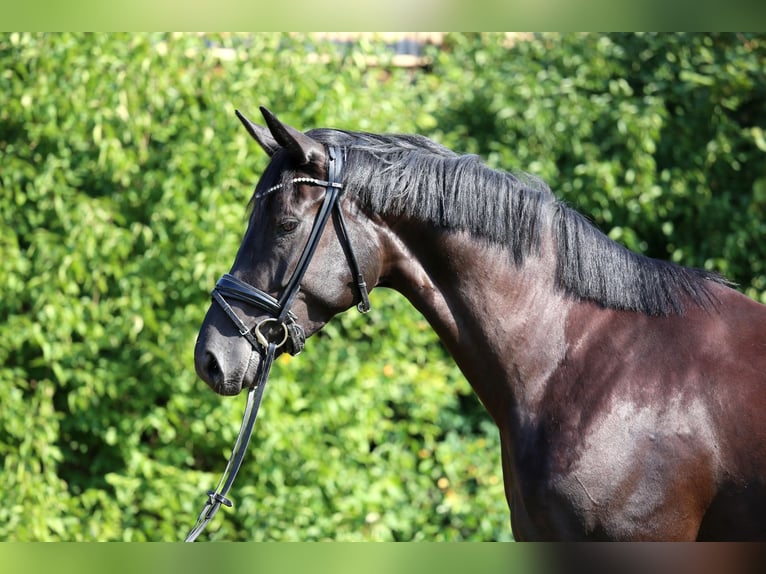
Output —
<point x="414" y="177"/>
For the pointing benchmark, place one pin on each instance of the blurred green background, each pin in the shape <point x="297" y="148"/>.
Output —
<point x="124" y="179"/>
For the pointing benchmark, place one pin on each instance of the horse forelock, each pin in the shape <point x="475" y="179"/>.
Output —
<point x="414" y="177"/>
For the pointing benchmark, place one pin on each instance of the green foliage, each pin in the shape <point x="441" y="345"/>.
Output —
<point x="123" y="184"/>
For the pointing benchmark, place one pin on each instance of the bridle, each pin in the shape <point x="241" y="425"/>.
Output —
<point x="279" y="328"/>
<point x="279" y="309"/>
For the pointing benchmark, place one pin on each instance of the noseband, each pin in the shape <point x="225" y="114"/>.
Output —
<point x="279" y="328"/>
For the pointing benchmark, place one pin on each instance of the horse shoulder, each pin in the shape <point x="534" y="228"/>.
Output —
<point x="643" y="417"/>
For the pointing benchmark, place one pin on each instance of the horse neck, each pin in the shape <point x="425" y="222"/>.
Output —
<point x="502" y="323"/>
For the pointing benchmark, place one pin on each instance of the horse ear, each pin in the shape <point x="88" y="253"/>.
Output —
<point x="259" y="134"/>
<point x="301" y="147"/>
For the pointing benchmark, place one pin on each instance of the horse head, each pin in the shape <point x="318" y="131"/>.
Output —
<point x="295" y="268"/>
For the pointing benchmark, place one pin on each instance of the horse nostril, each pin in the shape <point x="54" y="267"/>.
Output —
<point x="213" y="372"/>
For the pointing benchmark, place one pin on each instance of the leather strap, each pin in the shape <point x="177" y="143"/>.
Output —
<point x="217" y="497"/>
<point x="241" y="291"/>
<point x="364" y="303"/>
<point x="294" y="285"/>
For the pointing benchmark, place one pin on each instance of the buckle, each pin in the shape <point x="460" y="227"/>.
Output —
<point x="218" y="498"/>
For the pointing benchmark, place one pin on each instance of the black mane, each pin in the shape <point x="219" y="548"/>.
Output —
<point x="415" y="177"/>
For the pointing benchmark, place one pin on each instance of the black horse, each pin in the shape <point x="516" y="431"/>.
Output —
<point x="630" y="393"/>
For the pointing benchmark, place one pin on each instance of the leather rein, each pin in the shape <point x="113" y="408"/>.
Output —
<point x="280" y="327"/>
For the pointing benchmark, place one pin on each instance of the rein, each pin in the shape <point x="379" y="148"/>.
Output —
<point x="280" y="328"/>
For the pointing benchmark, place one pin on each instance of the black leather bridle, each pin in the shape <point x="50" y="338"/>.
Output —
<point x="291" y="334"/>
<point x="280" y="327"/>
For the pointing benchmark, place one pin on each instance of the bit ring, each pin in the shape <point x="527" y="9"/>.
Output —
<point x="261" y="338"/>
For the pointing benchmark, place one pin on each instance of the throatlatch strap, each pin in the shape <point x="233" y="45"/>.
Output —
<point x="364" y="303"/>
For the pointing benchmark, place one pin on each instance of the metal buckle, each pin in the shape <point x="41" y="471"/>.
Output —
<point x="217" y="498"/>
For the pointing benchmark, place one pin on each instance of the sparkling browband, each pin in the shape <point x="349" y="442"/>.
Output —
<point x="320" y="182"/>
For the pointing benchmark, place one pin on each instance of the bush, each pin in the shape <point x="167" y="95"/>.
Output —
<point x="124" y="182"/>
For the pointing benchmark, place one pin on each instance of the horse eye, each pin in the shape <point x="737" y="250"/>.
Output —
<point x="288" y="225"/>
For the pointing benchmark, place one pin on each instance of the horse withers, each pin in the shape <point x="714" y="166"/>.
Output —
<point x="629" y="393"/>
